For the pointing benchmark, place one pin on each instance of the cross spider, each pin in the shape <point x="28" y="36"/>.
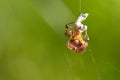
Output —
<point x="77" y="33"/>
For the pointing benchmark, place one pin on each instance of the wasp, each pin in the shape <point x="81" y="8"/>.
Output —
<point x="77" y="34"/>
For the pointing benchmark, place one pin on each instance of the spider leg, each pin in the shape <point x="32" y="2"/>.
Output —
<point x="68" y="30"/>
<point x="86" y="37"/>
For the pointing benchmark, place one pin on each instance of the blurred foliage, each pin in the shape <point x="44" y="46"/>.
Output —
<point x="33" y="46"/>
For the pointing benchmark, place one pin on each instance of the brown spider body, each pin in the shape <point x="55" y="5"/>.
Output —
<point x="77" y="47"/>
<point x="76" y="43"/>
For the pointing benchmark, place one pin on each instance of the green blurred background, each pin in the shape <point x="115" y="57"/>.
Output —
<point x="33" y="46"/>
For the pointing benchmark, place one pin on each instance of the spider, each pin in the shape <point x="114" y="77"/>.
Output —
<point x="77" y="34"/>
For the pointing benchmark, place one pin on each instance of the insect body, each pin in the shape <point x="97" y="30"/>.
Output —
<point x="77" y="33"/>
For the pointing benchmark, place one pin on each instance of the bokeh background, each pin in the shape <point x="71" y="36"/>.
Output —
<point x="33" y="46"/>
